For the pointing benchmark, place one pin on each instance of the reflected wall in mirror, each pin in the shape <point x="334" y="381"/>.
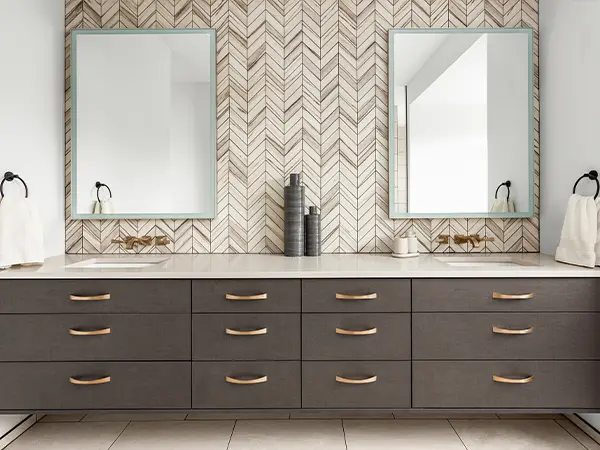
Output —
<point x="143" y="124"/>
<point x="461" y="123"/>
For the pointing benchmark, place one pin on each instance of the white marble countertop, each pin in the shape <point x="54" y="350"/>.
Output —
<point x="278" y="266"/>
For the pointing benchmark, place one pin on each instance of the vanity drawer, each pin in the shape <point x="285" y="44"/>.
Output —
<point x="246" y="337"/>
<point x="390" y="389"/>
<point x="95" y="337"/>
<point x="132" y="385"/>
<point x="239" y="296"/>
<point x="94" y="296"/>
<point x="443" y="336"/>
<point x="469" y="384"/>
<point x="341" y="295"/>
<point x="356" y="336"/>
<point x="521" y="294"/>
<point x="246" y="385"/>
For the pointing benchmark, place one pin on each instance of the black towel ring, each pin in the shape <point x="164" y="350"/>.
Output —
<point x="99" y="186"/>
<point x="9" y="176"/>
<point x="593" y="176"/>
<point x="508" y="184"/>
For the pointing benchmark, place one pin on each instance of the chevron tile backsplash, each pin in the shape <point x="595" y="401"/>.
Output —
<point x="302" y="87"/>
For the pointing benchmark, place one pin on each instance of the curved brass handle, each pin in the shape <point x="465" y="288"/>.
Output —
<point x="75" y="332"/>
<point x="507" y="380"/>
<point x="246" y="297"/>
<point x="344" y="380"/>
<point x="259" y="380"/>
<point x="498" y="330"/>
<point x="81" y="298"/>
<point x="356" y="333"/>
<point x="233" y="332"/>
<point x="499" y="296"/>
<point x="372" y="296"/>
<point x="79" y="382"/>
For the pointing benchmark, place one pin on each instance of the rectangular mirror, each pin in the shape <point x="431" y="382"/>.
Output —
<point x="461" y="123"/>
<point x="143" y="118"/>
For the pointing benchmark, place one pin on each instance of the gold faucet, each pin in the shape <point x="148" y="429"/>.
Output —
<point x="132" y="242"/>
<point x="474" y="239"/>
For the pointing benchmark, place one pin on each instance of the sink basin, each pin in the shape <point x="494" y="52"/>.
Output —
<point x="484" y="261"/>
<point x="105" y="263"/>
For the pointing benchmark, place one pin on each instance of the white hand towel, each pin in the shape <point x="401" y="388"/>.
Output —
<point x="21" y="232"/>
<point x="500" y="205"/>
<point x="598" y="237"/>
<point x="107" y="207"/>
<point x="96" y="207"/>
<point x="579" y="233"/>
<point x="511" y="206"/>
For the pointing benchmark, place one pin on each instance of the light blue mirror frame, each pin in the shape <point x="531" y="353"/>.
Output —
<point x="211" y="214"/>
<point x="392" y="132"/>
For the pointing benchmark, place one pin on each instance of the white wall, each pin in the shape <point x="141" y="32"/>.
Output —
<point x="31" y="107"/>
<point x="570" y="109"/>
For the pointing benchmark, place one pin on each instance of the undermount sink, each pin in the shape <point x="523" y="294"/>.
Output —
<point x="484" y="261"/>
<point x="102" y="263"/>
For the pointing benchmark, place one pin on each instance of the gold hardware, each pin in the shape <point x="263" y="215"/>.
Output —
<point x="356" y="297"/>
<point x="506" y="380"/>
<point x="343" y="380"/>
<point x="498" y="330"/>
<point x="77" y="381"/>
<point x="161" y="240"/>
<point x="474" y="239"/>
<point x="246" y="297"/>
<point x="356" y="333"/>
<point x="443" y="239"/>
<point x="499" y="296"/>
<point x="74" y="332"/>
<point x="132" y="242"/>
<point x="232" y="380"/>
<point x="258" y="332"/>
<point x="80" y="298"/>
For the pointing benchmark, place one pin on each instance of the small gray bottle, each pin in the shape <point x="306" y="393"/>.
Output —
<point x="312" y="225"/>
<point x="293" y="238"/>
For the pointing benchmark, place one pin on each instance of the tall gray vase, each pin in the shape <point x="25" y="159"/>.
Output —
<point x="293" y="238"/>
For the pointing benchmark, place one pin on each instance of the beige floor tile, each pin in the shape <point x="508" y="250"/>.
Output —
<point x="347" y="415"/>
<point x="531" y="416"/>
<point x="401" y="435"/>
<point x="437" y="416"/>
<point x="514" y="435"/>
<point x="180" y="435"/>
<point x="62" y="418"/>
<point x="578" y="434"/>
<point x="69" y="436"/>
<point x="238" y="416"/>
<point x="288" y="435"/>
<point x="133" y="417"/>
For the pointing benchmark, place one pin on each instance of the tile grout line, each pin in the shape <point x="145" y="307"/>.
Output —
<point x="571" y="434"/>
<point x="231" y="436"/>
<point x="344" y="431"/>
<point x="120" y="434"/>
<point x="457" y="435"/>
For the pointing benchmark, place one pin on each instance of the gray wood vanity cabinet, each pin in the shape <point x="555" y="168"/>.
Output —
<point x="493" y="344"/>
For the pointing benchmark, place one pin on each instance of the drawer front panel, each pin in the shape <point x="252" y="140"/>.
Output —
<point x="95" y="337"/>
<point x="222" y="337"/>
<point x="341" y="295"/>
<point x="133" y="385"/>
<point x="349" y="336"/>
<point x="469" y="384"/>
<point x="261" y="385"/>
<point x="391" y="389"/>
<point x="476" y="295"/>
<point x="94" y="296"/>
<point x="568" y="336"/>
<point x="239" y="296"/>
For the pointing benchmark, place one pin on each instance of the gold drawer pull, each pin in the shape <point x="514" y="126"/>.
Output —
<point x="259" y="380"/>
<point x="103" y="331"/>
<point x="81" y="298"/>
<point x="77" y="381"/>
<point x="356" y="297"/>
<point x="356" y="333"/>
<point x="343" y="380"/>
<point x="246" y="297"/>
<point x="498" y="330"/>
<point x="258" y="332"/>
<point x="499" y="296"/>
<point x="506" y="380"/>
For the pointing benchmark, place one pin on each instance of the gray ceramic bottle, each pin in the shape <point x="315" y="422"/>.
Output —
<point x="293" y="239"/>
<point x="312" y="224"/>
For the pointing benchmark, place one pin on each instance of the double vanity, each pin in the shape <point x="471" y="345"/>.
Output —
<point x="341" y="332"/>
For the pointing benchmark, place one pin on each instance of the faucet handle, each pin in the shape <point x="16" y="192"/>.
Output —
<point x="443" y="239"/>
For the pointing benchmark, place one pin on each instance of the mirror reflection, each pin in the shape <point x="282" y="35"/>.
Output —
<point x="143" y="105"/>
<point x="461" y="123"/>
